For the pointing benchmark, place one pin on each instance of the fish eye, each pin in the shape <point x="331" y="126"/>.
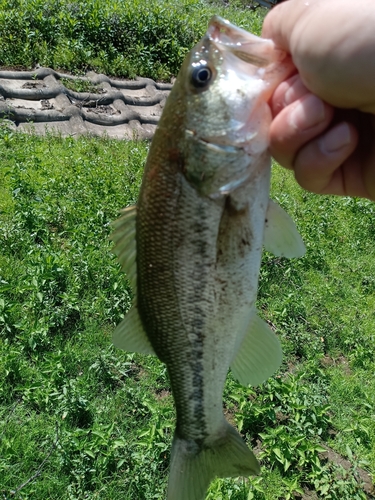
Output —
<point x="201" y="76"/>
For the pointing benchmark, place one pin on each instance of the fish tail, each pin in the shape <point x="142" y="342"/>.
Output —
<point x="192" y="470"/>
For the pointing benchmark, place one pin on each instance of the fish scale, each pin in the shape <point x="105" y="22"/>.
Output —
<point x="198" y="229"/>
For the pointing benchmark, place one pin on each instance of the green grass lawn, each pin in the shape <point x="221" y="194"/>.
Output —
<point x="103" y="419"/>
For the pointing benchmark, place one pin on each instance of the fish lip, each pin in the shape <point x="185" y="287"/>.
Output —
<point x="248" y="47"/>
<point x="224" y="32"/>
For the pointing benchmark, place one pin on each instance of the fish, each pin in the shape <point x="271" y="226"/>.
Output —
<point x="192" y="247"/>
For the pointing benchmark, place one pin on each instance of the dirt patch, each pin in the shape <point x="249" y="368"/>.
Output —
<point x="46" y="104"/>
<point x="341" y="361"/>
<point x="230" y="416"/>
<point x="104" y="110"/>
<point x="364" y="477"/>
<point x="33" y="85"/>
<point x="162" y="394"/>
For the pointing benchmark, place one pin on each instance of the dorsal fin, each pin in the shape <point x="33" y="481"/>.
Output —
<point x="129" y="335"/>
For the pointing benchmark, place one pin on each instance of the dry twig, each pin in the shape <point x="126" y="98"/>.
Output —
<point x="39" y="470"/>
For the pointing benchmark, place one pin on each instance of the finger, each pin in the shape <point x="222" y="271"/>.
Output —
<point x="320" y="40"/>
<point x="296" y="125"/>
<point x="278" y="23"/>
<point x="287" y="92"/>
<point x="323" y="165"/>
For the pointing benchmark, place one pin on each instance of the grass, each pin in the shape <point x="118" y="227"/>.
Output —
<point x="80" y="85"/>
<point x="103" y="419"/>
<point x="129" y="39"/>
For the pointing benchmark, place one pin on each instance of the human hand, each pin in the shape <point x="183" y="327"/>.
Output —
<point x="324" y="116"/>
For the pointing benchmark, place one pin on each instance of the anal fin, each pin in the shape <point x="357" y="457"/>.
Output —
<point x="258" y="356"/>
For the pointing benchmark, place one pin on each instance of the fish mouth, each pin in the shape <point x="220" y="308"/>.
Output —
<point x="224" y="148"/>
<point x="248" y="47"/>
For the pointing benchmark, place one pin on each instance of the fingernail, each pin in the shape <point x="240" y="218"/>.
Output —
<point x="335" y="139"/>
<point x="296" y="90"/>
<point x="289" y="96"/>
<point x="308" y="112"/>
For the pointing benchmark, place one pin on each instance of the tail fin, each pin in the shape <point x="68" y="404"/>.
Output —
<point x="192" y="470"/>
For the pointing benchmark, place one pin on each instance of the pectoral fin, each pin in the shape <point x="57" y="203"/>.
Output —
<point x="259" y="355"/>
<point x="280" y="233"/>
<point x="129" y="335"/>
<point x="125" y="243"/>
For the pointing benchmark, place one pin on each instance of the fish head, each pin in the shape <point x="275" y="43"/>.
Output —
<point x="228" y="78"/>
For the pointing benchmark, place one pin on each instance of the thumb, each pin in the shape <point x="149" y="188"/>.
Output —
<point x="278" y="24"/>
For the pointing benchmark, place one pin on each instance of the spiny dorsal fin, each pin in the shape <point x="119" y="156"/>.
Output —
<point x="259" y="355"/>
<point x="129" y="335"/>
<point x="280" y="233"/>
<point x="125" y="243"/>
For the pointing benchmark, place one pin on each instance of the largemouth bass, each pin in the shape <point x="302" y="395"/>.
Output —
<point x="192" y="247"/>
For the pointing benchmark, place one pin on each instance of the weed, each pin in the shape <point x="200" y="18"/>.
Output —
<point x="80" y="85"/>
<point x="130" y="39"/>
